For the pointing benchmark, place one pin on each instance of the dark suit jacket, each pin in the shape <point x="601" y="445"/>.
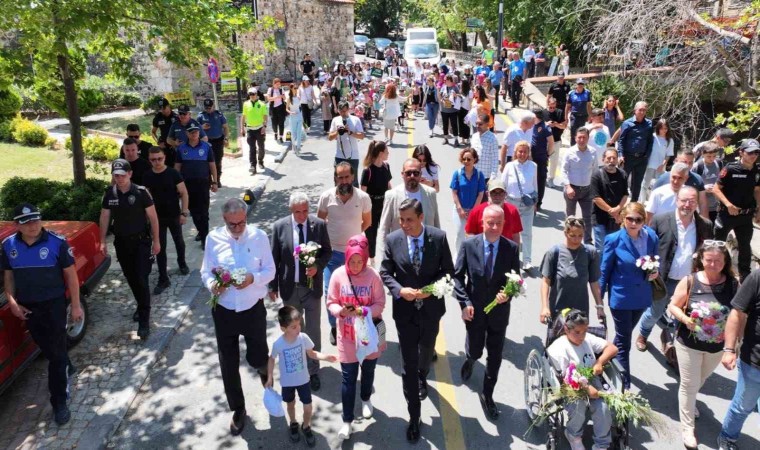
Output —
<point x="667" y="231"/>
<point x="397" y="271"/>
<point x="478" y="289"/>
<point x="284" y="261"/>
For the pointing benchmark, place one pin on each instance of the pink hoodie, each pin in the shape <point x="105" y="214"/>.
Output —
<point x="369" y="290"/>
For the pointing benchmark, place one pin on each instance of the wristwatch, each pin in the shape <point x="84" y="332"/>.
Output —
<point x="729" y="350"/>
<point x="185" y="213"/>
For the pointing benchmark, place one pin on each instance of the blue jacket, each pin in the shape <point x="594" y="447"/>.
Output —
<point x="625" y="284"/>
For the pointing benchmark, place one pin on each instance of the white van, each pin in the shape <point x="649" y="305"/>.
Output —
<point x="424" y="51"/>
<point x="421" y="34"/>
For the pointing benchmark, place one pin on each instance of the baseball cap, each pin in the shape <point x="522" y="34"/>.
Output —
<point x="26" y="212"/>
<point x="496" y="183"/>
<point x="183" y="109"/>
<point x="305" y="78"/>
<point x="192" y="127"/>
<point x="580" y="81"/>
<point x="252" y="91"/>
<point x="208" y="102"/>
<point x="120" y="167"/>
<point x="750" y="146"/>
<point x="163" y="102"/>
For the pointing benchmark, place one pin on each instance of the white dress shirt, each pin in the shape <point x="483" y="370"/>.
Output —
<point x="295" y="242"/>
<point x="685" y="248"/>
<point x="250" y="251"/>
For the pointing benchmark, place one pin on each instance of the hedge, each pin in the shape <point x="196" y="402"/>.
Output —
<point x="26" y="132"/>
<point x="97" y="148"/>
<point x="58" y="200"/>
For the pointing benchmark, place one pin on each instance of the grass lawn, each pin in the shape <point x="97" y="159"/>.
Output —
<point x="33" y="162"/>
<point x="119" y="126"/>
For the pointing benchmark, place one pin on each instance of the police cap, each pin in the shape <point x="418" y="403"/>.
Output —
<point x="120" y="167"/>
<point x="26" y="212"/>
<point x="208" y="102"/>
<point x="192" y="127"/>
<point x="749" y="146"/>
<point x="183" y="109"/>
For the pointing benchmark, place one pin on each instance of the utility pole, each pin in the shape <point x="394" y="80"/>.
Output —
<point x="237" y="80"/>
<point x="500" y="35"/>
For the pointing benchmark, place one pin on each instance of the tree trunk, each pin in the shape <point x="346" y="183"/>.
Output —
<point x="75" y="122"/>
<point x="453" y="39"/>
<point x="483" y="38"/>
<point x="754" y="72"/>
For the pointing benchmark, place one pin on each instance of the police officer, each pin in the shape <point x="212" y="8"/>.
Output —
<point x="195" y="162"/>
<point x="214" y="124"/>
<point x="38" y="266"/>
<point x="135" y="226"/>
<point x="738" y="190"/>
<point x="163" y="120"/>
<point x="178" y="131"/>
<point x="578" y="107"/>
<point x="255" y="114"/>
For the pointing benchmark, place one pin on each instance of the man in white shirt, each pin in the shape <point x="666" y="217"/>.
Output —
<point x="529" y="55"/>
<point x="577" y="167"/>
<point x="240" y="309"/>
<point x="599" y="134"/>
<point x="347" y="130"/>
<point x="663" y="199"/>
<point x="522" y="131"/>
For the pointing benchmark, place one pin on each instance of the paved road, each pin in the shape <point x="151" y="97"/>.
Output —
<point x="182" y="404"/>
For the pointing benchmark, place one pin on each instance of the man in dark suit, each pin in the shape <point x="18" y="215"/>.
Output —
<point x="680" y="233"/>
<point x="415" y="256"/>
<point x="479" y="274"/>
<point x="291" y="280"/>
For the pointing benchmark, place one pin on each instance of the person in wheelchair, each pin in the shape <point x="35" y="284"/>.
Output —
<point x="576" y="345"/>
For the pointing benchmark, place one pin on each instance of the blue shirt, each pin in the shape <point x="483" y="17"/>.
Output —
<point x="578" y="102"/>
<point x="636" y="137"/>
<point x="641" y="243"/>
<point x="468" y="189"/>
<point x="195" y="160"/>
<point x="487" y="254"/>
<point x="481" y="69"/>
<point x="516" y="68"/>
<point x="178" y="131"/>
<point x="496" y="76"/>
<point x="540" y="141"/>
<point x="216" y="119"/>
<point x="37" y="268"/>
<point x="421" y="242"/>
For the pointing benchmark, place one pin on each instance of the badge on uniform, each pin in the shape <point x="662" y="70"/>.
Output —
<point x="184" y="151"/>
<point x="201" y="152"/>
<point x="13" y="253"/>
<point x="44" y="252"/>
<point x="131" y="199"/>
<point x="71" y="251"/>
<point x="757" y="177"/>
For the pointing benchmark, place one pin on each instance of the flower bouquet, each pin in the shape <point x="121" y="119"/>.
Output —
<point x="515" y="287"/>
<point x="226" y="278"/>
<point x="307" y="256"/>
<point x="651" y="265"/>
<point x="441" y="288"/>
<point x="710" y="319"/>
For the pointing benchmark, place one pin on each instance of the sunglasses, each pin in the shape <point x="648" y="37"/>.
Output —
<point x="574" y="222"/>
<point x="710" y="243"/>
<point x="412" y="173"/>
<point x="134" y="136"/>
<point x="184" y="113"/>
<point x="357" y="243"/>
<point x="236" y="224"/>
<point x="635" y="220"/>
<point x="156" y="159"/>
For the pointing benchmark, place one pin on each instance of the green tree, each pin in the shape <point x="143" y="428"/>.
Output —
<point x="379" y="17"/>
<point x="57" y="35"/>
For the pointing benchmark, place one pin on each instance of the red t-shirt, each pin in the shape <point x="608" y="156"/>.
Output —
<point x="512" y="222"/>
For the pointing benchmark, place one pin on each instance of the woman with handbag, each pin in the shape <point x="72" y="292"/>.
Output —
<point x="391" y="107"/>
<point x="468" y="186"/>
<point x="356" y="291"/>
<point x="701" y="304"/>
<point x="520" y="178"/>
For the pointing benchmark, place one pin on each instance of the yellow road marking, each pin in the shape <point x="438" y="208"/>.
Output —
<point x="448" y="407"/>
<point x="410" y="134"/>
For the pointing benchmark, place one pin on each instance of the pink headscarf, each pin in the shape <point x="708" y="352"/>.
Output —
<point x="357" y="245"/>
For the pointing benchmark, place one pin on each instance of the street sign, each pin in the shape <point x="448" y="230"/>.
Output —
<point x="213" y="70"/>
<point x="228" y="82"/>
<point x="180" y="98"/>
<point x="475" y="23"/>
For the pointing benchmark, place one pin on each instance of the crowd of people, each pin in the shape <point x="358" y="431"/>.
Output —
<point x="632" y="211"/>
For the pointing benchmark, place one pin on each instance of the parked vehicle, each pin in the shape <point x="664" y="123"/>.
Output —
<point x="424" y="51"/>
<point x="399" y="46"/>
<point x="17" y="348"/>
<point x="421" y="34"/>
<point x="375" y="47"/>
<point x="360" y="41"/>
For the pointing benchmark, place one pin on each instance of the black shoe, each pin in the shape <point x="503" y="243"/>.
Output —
<point x="311" y="441"/>
<point x="333" y="336"/>
<point x="295" y="436"/>
<point x="218" y="183"/>
<point x="466" y="371"/>
<point x="238" y="422"/>
<point x="315" y="383"/>
<point x="143" y="331"/>
<point x="261" y="165"/>
<point x="489" y="407"/>
<point x="62" y="415"/>
<point x="161" y="287"/>
<point x="71" y="369"/>
<point x="252" y="169"/>
<point x="203" y="245"/>
<point x="183" y="269"/>
<point x="136" y="316"/>
<point x="423" y="389"/>
<point x="197" y="238"/>
<point x="413" y="431"/>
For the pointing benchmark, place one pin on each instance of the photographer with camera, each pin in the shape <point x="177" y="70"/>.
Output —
<point x="347" y="130"/>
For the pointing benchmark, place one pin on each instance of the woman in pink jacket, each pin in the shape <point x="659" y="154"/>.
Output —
<point x="355" y="290"/>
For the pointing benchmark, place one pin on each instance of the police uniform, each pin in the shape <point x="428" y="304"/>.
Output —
<point x="578" y="109"/>
<point x="40" y="287"/>
<point x="737" y="184"/>
<point x="196" y="172"/>
<point x="164" y="123"/>
<point x="215" y="135"/>
<point x="132" y="240"/>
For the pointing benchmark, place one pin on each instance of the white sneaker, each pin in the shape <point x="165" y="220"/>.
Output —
<point x="576" y="443"/>
<point x="345" y="431"/>
<point x="367" y="409"/>
<point x="431" y="133"/>
<point x="527" y="266"/>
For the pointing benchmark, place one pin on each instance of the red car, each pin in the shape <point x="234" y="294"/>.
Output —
<point x="17" y="349"/>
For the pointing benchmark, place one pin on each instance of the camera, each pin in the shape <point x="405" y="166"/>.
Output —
<point x="342" y="129"/>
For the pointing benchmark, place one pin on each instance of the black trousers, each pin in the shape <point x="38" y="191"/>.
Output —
<point x="306" y="113"/>
<point x="47" y="325"/>
<point x="577" y="121"/>
<point x="255" y="138"/>
<point x="416" y="337"/>
<point x="133" y="253"/>
<point x="532" y="68"/>
<point x="515" y="89"/>
<point x="278" y="119"/>
<point x="229" y="326"/>
<point x="198" y="193"/>
<point x="450" y="119"/>
<point x="172" y="224"/>
<point x="487" y="330"/>
<point x="326" y="125"/>
<point x="217" y="145"/>
<point x="542" y="170"/>
<point x="371" y="232"/>
<point x="743" y="229"/>
<point x="635" y="167"/>
<point x="464" y="129"/>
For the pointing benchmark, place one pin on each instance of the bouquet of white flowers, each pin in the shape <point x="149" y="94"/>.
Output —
<point x="226" y="278"/>
<point x="515" y="287"/>
<point x="307" y="256"/>
<point x="441" y="288"/>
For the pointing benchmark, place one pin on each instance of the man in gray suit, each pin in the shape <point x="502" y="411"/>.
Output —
<point x="412" y="188"/>
<point x="291" y="279"/>
<point x="479" y="274"/>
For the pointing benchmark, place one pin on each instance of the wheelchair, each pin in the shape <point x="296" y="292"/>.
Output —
<point x="542" y="379"/>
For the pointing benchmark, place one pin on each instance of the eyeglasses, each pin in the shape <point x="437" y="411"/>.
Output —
<point x="412" y="173"/>
<point x="156" y="159"/>
<point x="137" y="136"/>
<point x="236" y="224"/>
<point x="710" y="243"/>
<point x="635" y="220"/>
<point x="357" y="243"/>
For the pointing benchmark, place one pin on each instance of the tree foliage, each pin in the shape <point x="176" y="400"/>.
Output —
<point x="379" y="17"/>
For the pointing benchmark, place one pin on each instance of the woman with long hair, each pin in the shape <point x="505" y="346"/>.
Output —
<point x="391" y="105"/>
<point x="481" y="102"/>
<point x="277" y="111"/>
<point x="429" y="168"/>
<point x="306" y="96"/>
<point x="430" y="103"/>
<point x="467" y="94"/>
<point x="293" y="108"/>
<point x="662" y="149"/>
<point x="375" y="180"/>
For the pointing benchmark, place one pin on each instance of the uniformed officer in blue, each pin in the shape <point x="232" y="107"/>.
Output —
<point x="135" y="229"/>
<point x="195" y="161"/>
<point x="38" y="266"/>
<point x="214" y="124"/>
<point x="178" y="131"/>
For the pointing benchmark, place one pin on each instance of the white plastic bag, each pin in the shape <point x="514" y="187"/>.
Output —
<point x="366" y="337"/>
<point x="471" y="117"/>
<point x="273" y="403"/>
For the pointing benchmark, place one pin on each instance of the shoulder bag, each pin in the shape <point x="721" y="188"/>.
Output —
<point x="377" y="321"/>
<point x="527" y="200"/>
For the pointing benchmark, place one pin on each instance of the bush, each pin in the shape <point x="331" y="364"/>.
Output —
<point x="129" y="99"/>
<point x="30" y="101"/>
<point x="67" y="202"/>
<point x="27" y="132"/>
<point x="6" y="133"/>
<point x="51" y="143"/>
<point x="151" y="104"/>
<point x="96" y="148"/>
<point x="10" y="103"/>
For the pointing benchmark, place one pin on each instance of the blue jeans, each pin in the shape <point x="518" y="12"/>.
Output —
<point x="656" y="313"/>
<point x="348" y="388"/>
<point x="625" y="320"/>
<point x="296" y="130"/>
<point x="600" y="232"/>
<point x="745" y="398"/>
<point x="336" y="260"/>
<point x="432" y="113"/>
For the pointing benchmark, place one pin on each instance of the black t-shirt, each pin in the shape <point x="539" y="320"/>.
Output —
<point x="335" y="93"/>
<point x="163" y="188"/>
<point x="558" y="115"/>
<point x="128" y="209"/>
<point x="720" y="293"/>
<point x="747" y="300"/>
<point x="559" y="92"/>
<point x="139" y="168"/>
<point x="163" y="123"/>
<point x="611" y="188"/>
<point x="143" y="148"/>
<point x="376" y="179"/>
<point x="738" y="184"/>
<point x="307" y="66"/>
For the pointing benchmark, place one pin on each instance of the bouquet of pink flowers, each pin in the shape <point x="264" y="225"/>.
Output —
<point x="307" y="257"/>
<point x="710" y="319"/>
<point x="515" y="287"/>
<point x="576" y="377"/>
<point x="226" y="278"/>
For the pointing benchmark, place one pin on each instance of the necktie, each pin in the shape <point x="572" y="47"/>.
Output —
<point x="416" y="256"/>
<point x="489" y="262"/>
<point x="301" y="267"/>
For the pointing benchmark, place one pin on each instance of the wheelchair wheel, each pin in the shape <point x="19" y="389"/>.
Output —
<point x="534" y="386"/>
